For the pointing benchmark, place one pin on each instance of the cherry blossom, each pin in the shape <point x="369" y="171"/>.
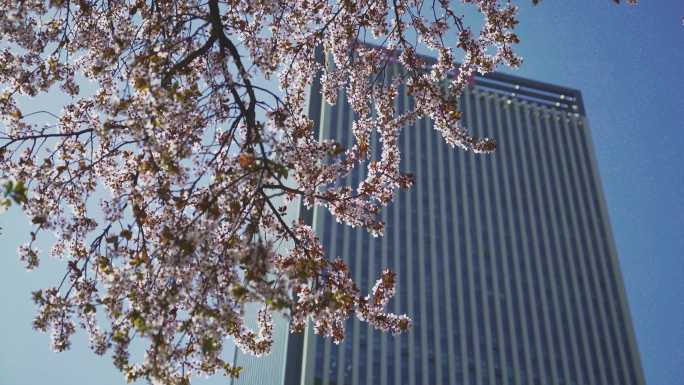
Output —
<point x="167" y="175"/>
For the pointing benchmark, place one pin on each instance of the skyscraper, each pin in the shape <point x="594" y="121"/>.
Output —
<point x="505" y="262"/>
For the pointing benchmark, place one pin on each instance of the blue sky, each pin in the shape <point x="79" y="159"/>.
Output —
<point x="629" y="64"/>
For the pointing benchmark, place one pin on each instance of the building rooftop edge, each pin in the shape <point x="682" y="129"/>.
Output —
<point x="544" y="93"/>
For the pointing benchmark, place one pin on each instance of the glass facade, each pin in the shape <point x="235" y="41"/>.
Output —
<point x="505" y="262"/>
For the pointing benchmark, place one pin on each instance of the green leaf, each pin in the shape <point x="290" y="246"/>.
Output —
<point x="120" y="336"/>
<point x="209" y="345"/>
<point x="138" y="321"/>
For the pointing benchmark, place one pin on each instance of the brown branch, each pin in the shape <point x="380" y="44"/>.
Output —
<point x="217" y="30"/>
<point x="44" y="136"/>
<point x="166" y="80"/>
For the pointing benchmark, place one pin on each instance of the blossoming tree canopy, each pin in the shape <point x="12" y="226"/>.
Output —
<point x="167" y="185"/>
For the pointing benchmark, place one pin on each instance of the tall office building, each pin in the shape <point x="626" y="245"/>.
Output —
<point x="505" y="262"/>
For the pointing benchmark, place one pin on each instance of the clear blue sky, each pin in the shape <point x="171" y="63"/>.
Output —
<point x="629" y="64"/>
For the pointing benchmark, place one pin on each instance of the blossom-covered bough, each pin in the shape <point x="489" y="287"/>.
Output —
<point x="166" y="180"/>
